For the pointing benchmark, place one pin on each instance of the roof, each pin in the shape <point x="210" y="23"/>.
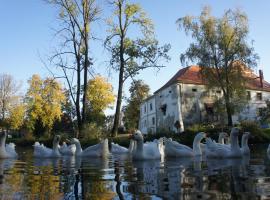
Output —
<point x="191" y="75"/>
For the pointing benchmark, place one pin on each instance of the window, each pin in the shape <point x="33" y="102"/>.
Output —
<point x="160" y="96"/>
<point x="151" y="106"/>
<point x="259" y="96"/>
<point x="145" y="109"/>
<point x="163" y="109"/>
<point x="248" y="95"/>
<point x="145" y="123"/>
<point x="153" y="121"/>
<point x="194" y="89"/>
<point x="218" y="91"/>
<point x="170" y="91"/>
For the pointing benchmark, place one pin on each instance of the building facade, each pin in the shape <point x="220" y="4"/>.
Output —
<point x="184" y="100"/>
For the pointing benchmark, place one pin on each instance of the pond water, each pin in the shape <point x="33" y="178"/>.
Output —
<point x="118" y="177"/>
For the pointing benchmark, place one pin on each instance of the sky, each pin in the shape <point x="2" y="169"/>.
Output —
<point x="28" y="27"/>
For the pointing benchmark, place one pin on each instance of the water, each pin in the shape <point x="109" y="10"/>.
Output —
<point x="118" y="177"/>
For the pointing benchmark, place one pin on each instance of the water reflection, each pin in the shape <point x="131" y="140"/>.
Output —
<point x="118" y="177"/>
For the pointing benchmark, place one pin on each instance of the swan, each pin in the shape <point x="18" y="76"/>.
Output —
<point x="222" y="137"/>
<point x="99" y="150"/>
<point x="67" y="150"/>
<point x="145" y="151"/>
<point x="44" y="152"/>
<point x="244" y="143"/>
<point x="215" y="150"/>
<point x="174" y="149"/>
<point x="117" y="149"/>
<point x="6" y="150"/>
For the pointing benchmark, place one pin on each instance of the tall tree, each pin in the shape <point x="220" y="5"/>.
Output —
<point x="73" y="56"/>
<point x="131" y="53"/>
<point x="44" y="101"/>
<point x="138" y="92"/>
<point x="222" y="49"/>
<point x="9" y="89"/>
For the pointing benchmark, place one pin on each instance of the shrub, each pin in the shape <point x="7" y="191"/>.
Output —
<point x="92" y="131"/>
<point x="253" y="127"/>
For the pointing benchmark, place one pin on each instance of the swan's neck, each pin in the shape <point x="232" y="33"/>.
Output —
<point x="196" y="146"/>
<point x="244" y="142"/>
<point x="56" y="147"/>
<point x="234" y="141"/>
<point x="138" y="152"/>
<point x="78" y="148"/>
<point x="131" y="146"/>
<point x="221" y="139"/>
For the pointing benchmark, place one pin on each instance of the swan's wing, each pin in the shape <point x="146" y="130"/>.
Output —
<point x="10" y="149"/>
<point x="116" y="148"/>
<point x="41" y="151"/>
<point x="95" y="150"/>
<point x="151" y="150"/>
<point x="179" y="146"/>
<point x="215" y="150"/>
<point x="68" y="150"/>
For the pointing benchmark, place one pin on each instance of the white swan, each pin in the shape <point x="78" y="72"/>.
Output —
<point x="223" y="139"/>
<point x="44" y="152"/>
<point x="215" y="150"/>
<point x="117" y="149"/>
<point x="244" y="143"/>
<point x="99" y="150"/>
<point x="6" y="150"/>
<point x="174" y="149"/>
<point x="67" y="150"/>
<point x="147" y="151"/>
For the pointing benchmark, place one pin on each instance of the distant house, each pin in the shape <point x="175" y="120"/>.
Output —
<point x="184" y="100"/>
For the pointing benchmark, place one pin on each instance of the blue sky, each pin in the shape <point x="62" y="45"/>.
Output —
<point x="27" y="34"/>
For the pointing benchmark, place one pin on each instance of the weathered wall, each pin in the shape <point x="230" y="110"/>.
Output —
<point x="148" y="116"/>
<point x="166" y="119"/>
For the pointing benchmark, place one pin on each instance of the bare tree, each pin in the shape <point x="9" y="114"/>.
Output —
<point x="72" y="56"/>
<point x="8" y="94"/>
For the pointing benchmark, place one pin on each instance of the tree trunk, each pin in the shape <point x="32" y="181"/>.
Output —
<point x="120" y="88"/>
<point x="228" y="110"/>
<point x="78" y="110"/>
<point x="118" y="103"/>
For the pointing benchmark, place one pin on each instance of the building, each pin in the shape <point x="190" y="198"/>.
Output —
<point x="184" y="100"/>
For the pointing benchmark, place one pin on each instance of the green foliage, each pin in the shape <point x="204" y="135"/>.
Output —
<point x="92" y="131"/>
<point x="131" y="53"/>
<point x="138" y="92"/>
<point x="221" y="48"/>
<point x="265" y="113"/>
<point x="259" y="136"/>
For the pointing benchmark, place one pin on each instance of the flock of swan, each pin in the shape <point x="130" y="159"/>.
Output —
<point x="226" y="147"/>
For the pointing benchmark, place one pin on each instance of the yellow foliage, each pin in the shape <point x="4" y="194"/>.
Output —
<point x="16" y="118"/>
<point x="45" y="98"/>
<point x="100" y="94"/>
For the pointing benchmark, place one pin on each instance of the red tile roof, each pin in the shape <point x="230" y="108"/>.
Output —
<point x="191" y="75"/>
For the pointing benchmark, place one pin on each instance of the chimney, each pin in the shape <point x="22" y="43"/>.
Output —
<point x="261" y="77"/>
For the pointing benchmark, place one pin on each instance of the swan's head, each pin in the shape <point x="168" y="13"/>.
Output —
<point x="200" y="136"/>
<point x="246" y="135"/>
<point x="235" y="131"/>
<point x="74" y="141"/>
<point x="223" y="135"/>
<point x="56" y="139"/>
<point x="137" y="136"/>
